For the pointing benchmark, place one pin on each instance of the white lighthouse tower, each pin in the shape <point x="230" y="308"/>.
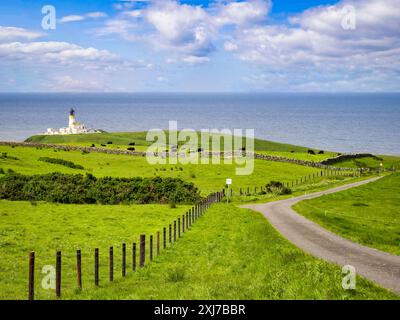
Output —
<point x="72" y="119"/>
<point x="74" y="127"/>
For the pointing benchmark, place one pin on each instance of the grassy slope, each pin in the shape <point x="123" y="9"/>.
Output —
<point x="207" y="177"/>
<point x="122" y="139"/>
<point x="369" y="162"/>
<point x="45" y="228"/>
<point x="233" y="253"/>
<point x="368" y="214"/>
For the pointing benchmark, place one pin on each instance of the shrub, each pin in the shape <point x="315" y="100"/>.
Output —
<point x="5" y="155"/>
<point x="277" y="188"/>
<point x="62" y="162"/>
<point x="93" y="145"/>
<point x="2" y="171"/>
<point x="132" y="143"/>
<point x="131" y="149"/>
<point x="172" y="205"/>
<point x="321" y="152"/>
<point x="310" y="151"/>
<point x="87" y="189"/>
<point x="109" y="142"/>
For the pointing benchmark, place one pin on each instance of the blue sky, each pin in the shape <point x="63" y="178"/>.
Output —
<point x="190" y="46"/>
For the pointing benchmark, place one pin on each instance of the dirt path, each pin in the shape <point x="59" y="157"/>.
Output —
<point x="377" y="266"/>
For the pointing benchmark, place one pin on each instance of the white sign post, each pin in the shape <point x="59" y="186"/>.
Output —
<point x="228" y="183"/>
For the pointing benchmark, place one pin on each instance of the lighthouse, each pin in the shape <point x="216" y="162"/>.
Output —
<point x="72" y="118"/>
<point x="74" y="127"/>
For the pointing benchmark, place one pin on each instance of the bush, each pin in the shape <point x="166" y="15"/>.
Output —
<point x="132" y="143"/>
<point x="62" y="162"/>
<point x="277" y="188"/>
<point x="87" y="189"/>
<point x="321" y="152"/>
<point x="172" y="205"/>
<point x="109" y="142"/>
<point x="2" y="171"/>
<point x="310" y="151"/>
<point x="93" y="145"/>
<point x="131" y="149"/>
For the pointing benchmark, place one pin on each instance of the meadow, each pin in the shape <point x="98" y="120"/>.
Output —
<point x="230" y="253"/>
<point x="369" y="214"/>
<point x="207" y="177"/>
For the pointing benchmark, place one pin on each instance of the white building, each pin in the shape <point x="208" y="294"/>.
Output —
<point x="74" y="127"/>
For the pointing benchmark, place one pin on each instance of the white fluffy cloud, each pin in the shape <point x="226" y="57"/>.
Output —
<point x="76" y="18"/>
<point x="13" y="33"/>
<point x="316" y="38"/>
<point x="65" y="54"/>
<point x="184" y="30"/>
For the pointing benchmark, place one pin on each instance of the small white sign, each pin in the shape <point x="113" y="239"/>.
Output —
<point x="228" y="181"/>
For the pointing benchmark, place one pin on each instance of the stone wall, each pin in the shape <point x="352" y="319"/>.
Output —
<point x="326" y="164"/>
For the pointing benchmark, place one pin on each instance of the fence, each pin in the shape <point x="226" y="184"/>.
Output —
<point x="296" y="182"/>
<point x="175" y="231"/>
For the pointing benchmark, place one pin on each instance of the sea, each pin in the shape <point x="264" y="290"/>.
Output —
<point x="336" y="122"/>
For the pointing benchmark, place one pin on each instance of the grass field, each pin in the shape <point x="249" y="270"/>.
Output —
<point x="123" y="139"/>
<point x="388" y="162"/>
<point x="207" y="177"/>
<point x="369" y="214"/>
<point x="233" y="253"/>
<point x="46" y="228"/>
<point x="229" y="253"/>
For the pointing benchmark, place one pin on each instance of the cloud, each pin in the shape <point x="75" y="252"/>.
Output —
<point x="14" y="33"/>
<point x="76" y="18"/>
<point x="68" y="83"/>
<point x="241" y="13"/>
<point x="187" y="31"/>
<point x="66" y="54"/>
<point x="316" y="39"/>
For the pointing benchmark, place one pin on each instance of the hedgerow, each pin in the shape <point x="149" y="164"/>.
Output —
<point x="87" y="189"/>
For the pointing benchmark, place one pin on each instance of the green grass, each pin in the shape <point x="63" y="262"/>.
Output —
<point x="122" y="139"/>
<point x="368" y="214"/>
<point x="232" y="253"/>
<point x="45" y="228"/>
<point x="388" y="162"/>
<point x="208" y="178"/>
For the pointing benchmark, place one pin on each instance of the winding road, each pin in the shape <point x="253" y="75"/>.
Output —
<point x="377" y="266"/>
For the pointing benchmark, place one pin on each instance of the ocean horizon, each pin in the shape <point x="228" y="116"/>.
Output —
<point x="345" y="122"/>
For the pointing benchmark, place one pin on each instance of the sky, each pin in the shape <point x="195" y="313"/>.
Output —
<point x="200" y="46"/>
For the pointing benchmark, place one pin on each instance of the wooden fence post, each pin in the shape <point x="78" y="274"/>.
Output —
<point x="151" y="247"/>
<point x="174" y="230"/>
<point x="96" y="266"/>
<point x="142" y="250"/>
<point x="158" y="243"/>
<point x="183" y="223"/>
<point x="187" y="221"/>
<point x="31" y="285"/>
<point x="123" y="259"/>
<point x="179" y="227"/>
<point x="58" y="274"/>
<point x="111" y="264"/>
<point x="170" y="233"/>
<point x="79" y="269"/>
<point x="134" y="256"/>
<point x="164" y="238"/>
